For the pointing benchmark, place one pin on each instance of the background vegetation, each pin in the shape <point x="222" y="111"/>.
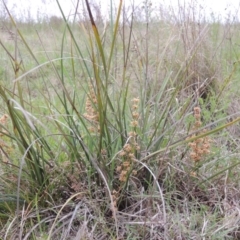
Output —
<point x="120" y="129"/>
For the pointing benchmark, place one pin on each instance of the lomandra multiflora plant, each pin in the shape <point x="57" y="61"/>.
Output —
<point x="98" y="141"/>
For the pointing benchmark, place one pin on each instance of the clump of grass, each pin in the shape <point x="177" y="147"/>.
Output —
<point x="94" y="162"/>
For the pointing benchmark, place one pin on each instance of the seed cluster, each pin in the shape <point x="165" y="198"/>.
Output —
<point x="128" y="157"/>
<point x="5" y="150"/>
<point x="91" y="111"/>
<point x="135" y="114"/>
<point x="115" y="196"/>
<point x="3" y="122"/>
<point x="200" y="146"/>
<point x="131" y="147"/>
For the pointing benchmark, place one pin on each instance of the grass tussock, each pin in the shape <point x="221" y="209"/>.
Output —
<point x="123" y="130"/>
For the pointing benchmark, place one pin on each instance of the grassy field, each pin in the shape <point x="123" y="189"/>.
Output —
<point x="123" y="129"/>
